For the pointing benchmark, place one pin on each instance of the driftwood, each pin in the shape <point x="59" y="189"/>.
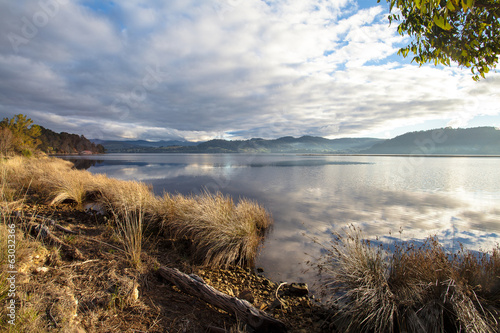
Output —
<point x="243" y="310"/>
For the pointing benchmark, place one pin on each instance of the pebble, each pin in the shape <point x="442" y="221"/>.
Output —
<point x="41" y="270"/>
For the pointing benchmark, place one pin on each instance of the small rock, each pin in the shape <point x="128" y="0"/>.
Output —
<point x="41" y="270"/>
<point x="298" y="289"/>
<point x="260" y="270"/>
<point x="246" y="295"/>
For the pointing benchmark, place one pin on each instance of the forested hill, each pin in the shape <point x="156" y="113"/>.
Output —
<point x="444" y="141"/>
<point x="305" y="144"/>
<point x="65" y="143"/>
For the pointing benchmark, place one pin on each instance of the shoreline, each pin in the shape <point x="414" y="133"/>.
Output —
<point x="86" y="247"/>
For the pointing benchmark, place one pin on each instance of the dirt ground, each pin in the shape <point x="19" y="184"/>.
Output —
<point x="100" y="291"/>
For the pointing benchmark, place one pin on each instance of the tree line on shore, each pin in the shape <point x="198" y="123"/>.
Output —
<point x="20" y="136"/>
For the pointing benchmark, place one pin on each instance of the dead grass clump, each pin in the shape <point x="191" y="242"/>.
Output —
<point x="130" y="222"/>
<point x="70" y="185"/>
<point x="416" y="288"/>
<point x="357" y="276"/>
<point x="35" y="174"/>
<point x="222" y="232"/>
<point x="117" y="194"/>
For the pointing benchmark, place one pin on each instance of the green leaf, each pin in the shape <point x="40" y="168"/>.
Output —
<point x="441" y="22"/>
<point x="467" y="4"/>
<point x="450" y="5"/>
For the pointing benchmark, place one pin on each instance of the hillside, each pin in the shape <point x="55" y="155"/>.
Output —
<point x="65" y="143"/>
<point x="130" y="145"/>
<point x="305" y="144"/>
<point x="444" y="141"/>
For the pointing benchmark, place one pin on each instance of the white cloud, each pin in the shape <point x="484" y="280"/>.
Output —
<point x="225" y="66"/>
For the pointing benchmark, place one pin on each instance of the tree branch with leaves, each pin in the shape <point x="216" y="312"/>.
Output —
<point x="463" y="31"/>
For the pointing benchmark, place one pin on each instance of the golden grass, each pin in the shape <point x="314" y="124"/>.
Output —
<point x="16" y="251"/>
<point x="129" y="223"/>
<point x="413" y="289"/>
<point x="221" y="231"/>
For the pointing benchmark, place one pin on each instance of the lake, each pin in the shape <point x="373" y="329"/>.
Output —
<point x="455" y="198"/>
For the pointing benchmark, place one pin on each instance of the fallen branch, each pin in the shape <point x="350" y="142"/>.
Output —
<point x="41" y="231"/>
<point x="243" y="310"/>
<point x="55" y="225"/>
<point x="44" y="233"/>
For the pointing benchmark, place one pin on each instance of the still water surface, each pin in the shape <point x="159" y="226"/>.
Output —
<point x="455" y="198"/>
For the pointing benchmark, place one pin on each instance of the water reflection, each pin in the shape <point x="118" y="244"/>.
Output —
<point x="309" y="197"/>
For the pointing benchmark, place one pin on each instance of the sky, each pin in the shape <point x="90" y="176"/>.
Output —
<point x="226" y="69"/>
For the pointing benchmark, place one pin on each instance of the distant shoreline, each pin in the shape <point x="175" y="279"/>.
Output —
<point x="285" y="153"/>
<point x="400" y="155"/>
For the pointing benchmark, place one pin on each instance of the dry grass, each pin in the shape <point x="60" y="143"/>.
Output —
<point x="413" y="289"/>
<point x="221" y="231"/>
<point x="16" y="253"/>
<point x="117" y="194"/>
<point x="129" y="224"/>
<point x="71" y="185"/>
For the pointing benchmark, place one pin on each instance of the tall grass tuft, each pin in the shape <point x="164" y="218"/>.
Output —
<point x="416" y="288"/>
<point x="130" y="230"/>
<point x="72" y="185"/>
<point x="119" y="194"/>
<point x="222" y="232"/>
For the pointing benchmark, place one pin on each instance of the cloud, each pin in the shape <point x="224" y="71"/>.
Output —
<point x="222" y="67"/>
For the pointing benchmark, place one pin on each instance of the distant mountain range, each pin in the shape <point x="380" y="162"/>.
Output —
<point x="113" y="146"/>
<point x="305" y="144"/>
<point x="444" y="141"/>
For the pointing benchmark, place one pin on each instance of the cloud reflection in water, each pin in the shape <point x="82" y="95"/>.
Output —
<point x="309" y="197"/>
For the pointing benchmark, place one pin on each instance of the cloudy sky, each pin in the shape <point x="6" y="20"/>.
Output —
<point x="232" y="69"/>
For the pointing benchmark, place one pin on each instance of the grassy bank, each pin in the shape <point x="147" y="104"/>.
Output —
<point x="113" y="286"/>
<point x="416" y="288"/>
<point x="222" y="232"/>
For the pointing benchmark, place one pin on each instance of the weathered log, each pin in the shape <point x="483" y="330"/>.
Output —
<point x="243" y="310"/>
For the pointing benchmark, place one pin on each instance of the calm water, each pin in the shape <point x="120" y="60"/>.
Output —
<point x="456" y="198"/>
